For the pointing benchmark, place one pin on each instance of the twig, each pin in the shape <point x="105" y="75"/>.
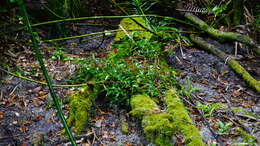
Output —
<point x="14" y="88"/>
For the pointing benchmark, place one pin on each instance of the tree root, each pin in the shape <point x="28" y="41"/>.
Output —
<point x="229" y="60"/>
<point x="222" y="35"/>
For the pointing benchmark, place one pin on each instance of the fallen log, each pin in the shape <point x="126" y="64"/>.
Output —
<point x="222" y="35"/>
<point x="229" y="60"/>
<point x="160" y="126"/>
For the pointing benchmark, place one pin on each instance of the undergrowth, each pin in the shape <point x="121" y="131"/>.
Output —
<point x="132" y="68"/>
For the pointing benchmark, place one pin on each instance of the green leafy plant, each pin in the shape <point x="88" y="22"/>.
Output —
<point x="209" y="109"/>
<point x="222" y="127"/>
<point x="133" y="68"/>
<point x="187" y="90"/>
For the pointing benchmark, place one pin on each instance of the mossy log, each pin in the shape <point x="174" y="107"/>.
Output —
<point x="222" y="35"/>
<point x="229" y="60"/>
<point x="160" y="127"/>
<point x="80" y="107"/>
<point x="181" y="119"/>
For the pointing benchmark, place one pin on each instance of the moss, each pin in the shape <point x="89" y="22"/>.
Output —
<point x="238" y="110"/>
<point x="158" y="128"/>
<point x="80" y="106"/>
<point x="124" y="128"/>
<point x="245" y="75"/>
<point x="182" y="121"/>
<point x="129" y="25"/>
<point x="247" y="137"/>
<point x="142" y="105"/>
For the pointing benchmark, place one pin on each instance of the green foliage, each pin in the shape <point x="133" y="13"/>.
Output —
<point x="222" y="127"/>
<point x="209" y="109"/>
<point x="187" y="90"/>
<point x="59" y="54"/>
<point x="132" y="68"/>
<point x="222" y="12"/>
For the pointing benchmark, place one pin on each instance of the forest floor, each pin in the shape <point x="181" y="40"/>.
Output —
<point x="27" y="113"/>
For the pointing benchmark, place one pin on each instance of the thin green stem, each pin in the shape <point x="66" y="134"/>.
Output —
<point x="98" y="17"/>
<point x="89" y="34"/>
<point x="42" y="83"/>
<point x="45" y="73"/>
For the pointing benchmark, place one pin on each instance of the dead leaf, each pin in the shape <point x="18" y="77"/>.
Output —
<point x="112" y="139"/>
<point x="37" y="89"/>
<point x="1" y="115"/>
<point x="247" y="105"/>
<point x="104" y="134"/>
<point x="236" y="93"/>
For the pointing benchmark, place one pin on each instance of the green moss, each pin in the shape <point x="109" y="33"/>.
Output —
<point x="245" y="75"/>
<point x="182" y="121"/>
<point x="142" y="105"/>
<point x="80" y="106"/>
<point x="251" y="140"/>
<point x="158" y="128"/>
<point x="238" y="110"/>
<point x="124" y="127"/>
<point x="130" y="26"/>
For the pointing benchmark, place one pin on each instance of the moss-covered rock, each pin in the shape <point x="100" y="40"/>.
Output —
<point x="80" y="106"/>
<point x="181" y="120"/>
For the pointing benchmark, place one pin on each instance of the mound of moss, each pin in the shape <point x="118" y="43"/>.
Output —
<point x="80" y="107"/>
<point x="160" y="127"/>
<point x="131" y="27"/>
<point x="182" y="121"/>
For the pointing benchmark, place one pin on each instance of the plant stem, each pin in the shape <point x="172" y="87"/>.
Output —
<point x="45" y="73"/>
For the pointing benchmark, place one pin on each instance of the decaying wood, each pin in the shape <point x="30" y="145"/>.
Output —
<point x="222" y="35"/>
<point x="229" y="60"/>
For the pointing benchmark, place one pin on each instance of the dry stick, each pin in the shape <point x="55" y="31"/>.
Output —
<point x="229" y="60"/>
<point x="222" y="35"/>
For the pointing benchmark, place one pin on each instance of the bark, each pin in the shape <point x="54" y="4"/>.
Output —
<point x="222" y="35"/>
<point x="230" y="61"/>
